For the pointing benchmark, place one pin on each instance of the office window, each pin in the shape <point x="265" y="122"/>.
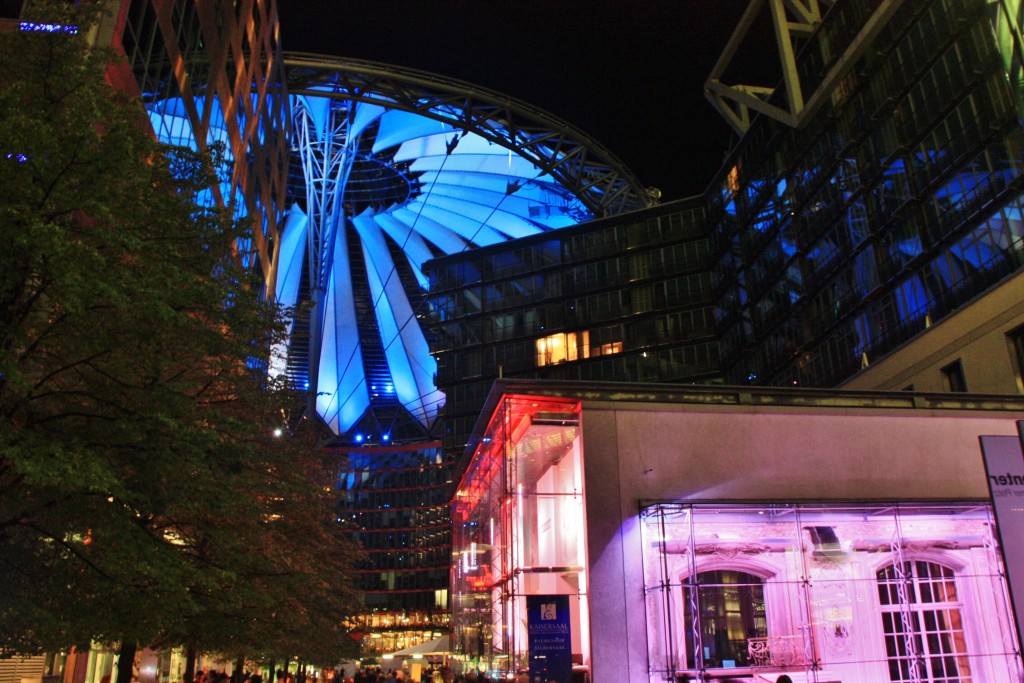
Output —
<point x="561" y="347"/>
<point x="953" y="378"/>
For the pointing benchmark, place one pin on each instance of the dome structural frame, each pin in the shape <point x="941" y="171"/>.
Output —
<point x="381" y="202"/>
<point x="581" y="163"/>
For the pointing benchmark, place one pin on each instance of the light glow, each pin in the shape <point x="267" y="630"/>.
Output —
<point x="48" y="28"/>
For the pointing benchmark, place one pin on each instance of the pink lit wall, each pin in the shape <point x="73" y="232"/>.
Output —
<point x="636" y="454"/>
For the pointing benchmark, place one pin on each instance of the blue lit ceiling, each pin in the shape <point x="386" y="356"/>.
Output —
<point x="400" y="167"/>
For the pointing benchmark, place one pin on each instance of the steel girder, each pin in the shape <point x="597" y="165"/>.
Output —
<point x="790" y="19"/>
<point x="579" y="163"/>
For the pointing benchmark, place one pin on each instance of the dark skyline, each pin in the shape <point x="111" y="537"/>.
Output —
<point x="629" y="75"/>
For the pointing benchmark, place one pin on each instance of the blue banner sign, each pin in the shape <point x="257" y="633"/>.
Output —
<point x="550" y="638"/>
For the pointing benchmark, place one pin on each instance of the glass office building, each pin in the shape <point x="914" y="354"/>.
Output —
<point x="850" y="221"/>
<point x="210" y="76"/>
<point x="394" y="503"/>
<point x="626" y="298"/>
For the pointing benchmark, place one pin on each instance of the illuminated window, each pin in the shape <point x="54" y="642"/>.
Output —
<point x="924" y="638"/>
<point x="732" y="180"/>
<point x="551" y="349"/>
<point x="607" y="349"/>
<point x="731" y="606"/>
<point x="605" y="341"/>
<point x="558" y="348"/>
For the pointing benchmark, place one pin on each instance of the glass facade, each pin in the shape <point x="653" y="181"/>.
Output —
<point x="395" y="504"/>
<point x="893" y="205"/>
<point x="519" y="532"/>
<point x="854" y="592"/>
<point x="620" y="299"/>
<point x="210" y="80"/>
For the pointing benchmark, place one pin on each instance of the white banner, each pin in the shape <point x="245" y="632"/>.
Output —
<point x="1004" y="465"/>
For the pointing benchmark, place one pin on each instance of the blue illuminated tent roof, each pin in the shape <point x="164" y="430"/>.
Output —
<point x="400" y="166"/>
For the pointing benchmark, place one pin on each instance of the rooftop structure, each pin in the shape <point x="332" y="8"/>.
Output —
<point x="400" y="166"/>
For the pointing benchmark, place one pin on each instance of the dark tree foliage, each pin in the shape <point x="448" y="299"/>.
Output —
<point x="144" y="498"/>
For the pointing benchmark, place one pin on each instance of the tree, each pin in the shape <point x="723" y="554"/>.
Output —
<point x="143" y="496"/>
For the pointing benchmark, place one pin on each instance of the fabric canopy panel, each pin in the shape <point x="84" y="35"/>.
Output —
<point x="399" y="169"/>
<point x="437" y="646"/>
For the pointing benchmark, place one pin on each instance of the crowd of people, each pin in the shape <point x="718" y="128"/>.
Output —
<point x="215" y="676"/>
<point x="431" y="673"/>
<point x="428" y="674"/>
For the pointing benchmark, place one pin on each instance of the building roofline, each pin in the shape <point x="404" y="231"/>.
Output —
<point x="581" y="164"/>
<point x="717" y="394"/>
<point x="645" y="213"/>
<point x="737" y="396"/>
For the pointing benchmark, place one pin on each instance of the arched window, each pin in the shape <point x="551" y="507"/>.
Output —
<point x="730" y="611"/>
<point x="924" y="637"/>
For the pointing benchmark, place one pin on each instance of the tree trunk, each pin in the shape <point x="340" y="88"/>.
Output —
<point x="190" y="663"/>
<point x="238" y="673"/>
<point x="126" y="662"/>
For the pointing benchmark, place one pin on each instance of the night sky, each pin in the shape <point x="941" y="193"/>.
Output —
<point x="629" y="73"/>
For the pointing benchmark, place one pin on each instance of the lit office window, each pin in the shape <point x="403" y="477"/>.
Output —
<point x="570" y="346"/>
<point x="561" y="347"/>
<point x="607" y="349"/>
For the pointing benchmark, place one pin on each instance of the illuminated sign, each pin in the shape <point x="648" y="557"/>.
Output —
<point x="550" y="638"/>
<point x="48" y="28"/>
